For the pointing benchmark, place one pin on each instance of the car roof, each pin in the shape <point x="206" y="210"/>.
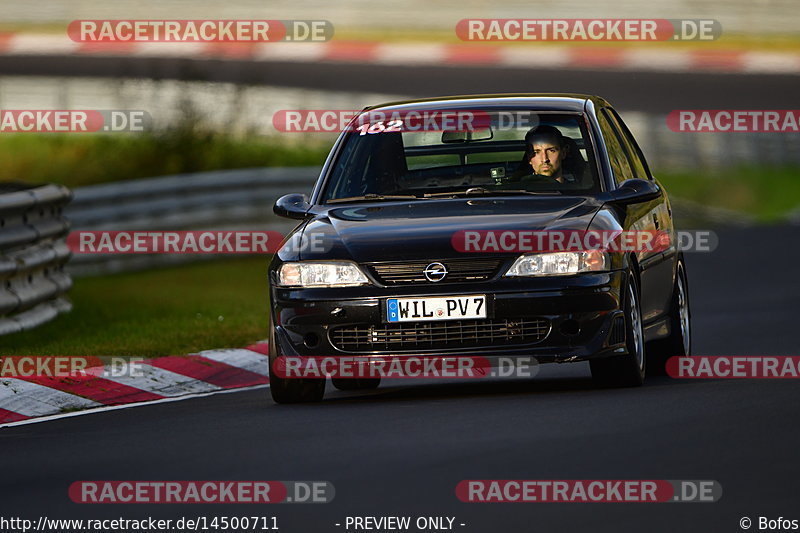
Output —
<point x="567" y="102"/>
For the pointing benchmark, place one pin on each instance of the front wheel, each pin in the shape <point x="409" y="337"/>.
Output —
<point x="295" y="390"/>
<point x="291" y="390"/>
<point x="679" y="342"/>
<point x="626" y="370"/>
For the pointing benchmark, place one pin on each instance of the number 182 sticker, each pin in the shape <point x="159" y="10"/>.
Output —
<point x="380" y="127"/>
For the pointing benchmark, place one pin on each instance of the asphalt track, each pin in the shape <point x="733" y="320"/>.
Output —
<point x="402" y="449"/>
<point x="654" y="92"/>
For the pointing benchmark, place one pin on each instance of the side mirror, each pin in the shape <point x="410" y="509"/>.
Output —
<point x="635" y="191"/>
<point x="292" y="206"/>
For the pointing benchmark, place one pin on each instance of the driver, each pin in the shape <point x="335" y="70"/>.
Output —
<point x="545" y="151"/>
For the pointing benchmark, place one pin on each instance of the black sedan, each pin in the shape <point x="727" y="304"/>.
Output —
<point x="423" y="219"/>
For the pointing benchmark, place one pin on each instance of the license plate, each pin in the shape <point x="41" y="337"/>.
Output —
<point x="436" y="308"/>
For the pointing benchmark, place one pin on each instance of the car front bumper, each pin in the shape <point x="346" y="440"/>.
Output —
<point x="583" y="315"/>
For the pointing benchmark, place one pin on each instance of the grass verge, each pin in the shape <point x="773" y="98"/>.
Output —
<point x="86" y="159"/>
<point x="769" y="194"/>
<point x="170" y="311"/>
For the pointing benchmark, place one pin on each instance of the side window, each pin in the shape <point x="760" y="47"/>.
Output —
<point x="635" y="153"/>
<point x="616" y="153"/>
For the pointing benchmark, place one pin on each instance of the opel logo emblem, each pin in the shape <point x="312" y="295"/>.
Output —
<point x="435" y="272"/>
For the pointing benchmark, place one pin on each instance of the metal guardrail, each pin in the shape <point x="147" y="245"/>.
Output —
<point x="221" y="200"/>
<point x="32" y="255"/>
<point x="699" y="152"/>
<point x="227" y="200"/>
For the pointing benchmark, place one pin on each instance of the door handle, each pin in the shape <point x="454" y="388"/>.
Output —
<point x="655" y="221"/>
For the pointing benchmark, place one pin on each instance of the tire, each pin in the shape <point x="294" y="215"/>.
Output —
<point x="679" y="341"/>
<point x="625" y="370"/>
<point x="356" y="384"/>
<point x="292" y="390"/>
<point x="295" y="390"/>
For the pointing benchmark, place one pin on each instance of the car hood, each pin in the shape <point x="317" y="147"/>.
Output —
<point x="423" y="229"/>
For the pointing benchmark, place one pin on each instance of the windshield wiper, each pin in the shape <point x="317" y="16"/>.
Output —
<point x="372" y="196"/>
<point x="482" y="191"/>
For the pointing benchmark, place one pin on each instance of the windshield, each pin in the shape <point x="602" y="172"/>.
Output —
<point x="499" y="152"/>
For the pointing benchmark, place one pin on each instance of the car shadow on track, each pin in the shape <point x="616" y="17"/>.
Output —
<point x="421" y="390"/>
<point x="570" y="381"/>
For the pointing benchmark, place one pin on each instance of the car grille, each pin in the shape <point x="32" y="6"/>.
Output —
<point x="444" y="334"/>
<point x="458" y="270"/>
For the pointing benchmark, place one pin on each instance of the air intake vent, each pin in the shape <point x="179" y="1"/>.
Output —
<point x="458" y="270"/>
<point x="439" y="335"/>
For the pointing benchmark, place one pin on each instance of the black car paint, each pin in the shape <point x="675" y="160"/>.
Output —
<point x="421" y="229"/>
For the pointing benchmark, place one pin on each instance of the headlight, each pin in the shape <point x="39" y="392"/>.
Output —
<point x="559" y="263"/>
<point x="324" y="274"/>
